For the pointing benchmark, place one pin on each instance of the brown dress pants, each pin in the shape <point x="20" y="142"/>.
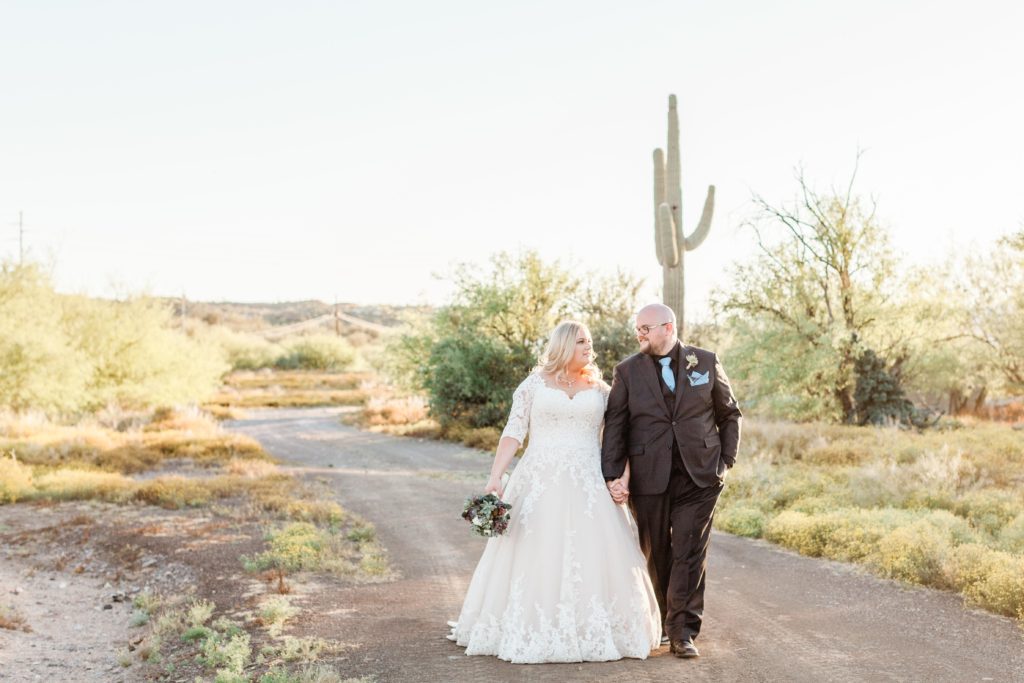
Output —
<point x="675" y="531"/>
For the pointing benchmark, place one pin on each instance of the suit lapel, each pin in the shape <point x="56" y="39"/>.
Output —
<point x="681" y="381"/>
<point x="650" y="375"/>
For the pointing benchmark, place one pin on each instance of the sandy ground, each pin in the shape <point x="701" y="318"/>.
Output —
<point x="771" y="615"/>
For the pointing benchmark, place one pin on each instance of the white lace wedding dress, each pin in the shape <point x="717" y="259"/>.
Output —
<point x="567" y="581"/>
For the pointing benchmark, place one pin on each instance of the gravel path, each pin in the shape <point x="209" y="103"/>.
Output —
<point x="771" y="615"/>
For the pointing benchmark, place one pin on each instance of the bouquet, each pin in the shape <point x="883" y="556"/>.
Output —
<point x="488" y="514"/>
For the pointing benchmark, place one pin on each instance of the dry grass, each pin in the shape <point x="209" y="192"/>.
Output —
<point x="11" y="620"/>
<point x="290" y="389"/>
<point x="142" y="445"/>
<point x="390" y="411"/>
<point x="909" y="505"/>
<point x="402" y="415"/>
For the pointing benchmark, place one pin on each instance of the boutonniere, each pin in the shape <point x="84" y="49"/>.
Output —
<point x="691" y="360"/>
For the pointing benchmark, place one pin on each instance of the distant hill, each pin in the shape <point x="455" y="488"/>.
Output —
<point x="255" y="317"/>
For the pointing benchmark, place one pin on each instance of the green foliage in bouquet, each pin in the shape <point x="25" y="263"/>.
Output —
<point x="488" y="514"/>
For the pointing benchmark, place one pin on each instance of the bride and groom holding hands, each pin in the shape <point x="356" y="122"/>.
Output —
<point x="605" y="554"/>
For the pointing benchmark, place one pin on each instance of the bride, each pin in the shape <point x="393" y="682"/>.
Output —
<point x="567" y="581"/>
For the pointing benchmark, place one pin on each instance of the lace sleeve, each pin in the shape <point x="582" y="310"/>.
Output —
<point x="605" y="389"/>
<point x="519" y="417"/>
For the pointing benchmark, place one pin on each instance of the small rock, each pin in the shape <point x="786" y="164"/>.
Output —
<point x="16" y="590"/>
<point x="108" y="606"/>
<point x="62" y="584"/>
<point x="119" y="596"/>
<point x="148" y="562"/>
<point x="107" y="585"/>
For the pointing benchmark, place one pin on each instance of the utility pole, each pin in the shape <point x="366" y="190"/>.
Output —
<point x="337" y="318"/>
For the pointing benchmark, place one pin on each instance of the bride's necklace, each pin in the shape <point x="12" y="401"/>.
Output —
<point x="566" y="381"/>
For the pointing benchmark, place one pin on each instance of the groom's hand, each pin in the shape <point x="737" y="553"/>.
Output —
<point x="618" y="490"/>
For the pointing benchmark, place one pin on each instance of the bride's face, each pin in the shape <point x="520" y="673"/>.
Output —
<point x="584" y="350"/>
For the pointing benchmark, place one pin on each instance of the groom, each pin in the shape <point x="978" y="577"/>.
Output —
<point x="672" y="415"/>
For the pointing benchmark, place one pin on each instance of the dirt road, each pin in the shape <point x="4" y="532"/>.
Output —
<point x="771" y="615"/>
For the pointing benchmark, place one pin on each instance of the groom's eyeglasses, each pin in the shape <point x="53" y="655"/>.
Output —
<point x="646" y="329"/>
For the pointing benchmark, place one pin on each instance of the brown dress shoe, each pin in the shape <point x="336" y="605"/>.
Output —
<point x="684" y="649"/>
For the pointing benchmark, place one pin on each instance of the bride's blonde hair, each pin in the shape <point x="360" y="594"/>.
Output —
<point x="561" y="348"/>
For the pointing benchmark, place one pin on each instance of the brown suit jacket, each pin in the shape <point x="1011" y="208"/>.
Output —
<point x="705" y="422"/>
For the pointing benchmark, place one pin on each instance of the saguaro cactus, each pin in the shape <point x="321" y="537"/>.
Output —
<point x="668" y="217"/>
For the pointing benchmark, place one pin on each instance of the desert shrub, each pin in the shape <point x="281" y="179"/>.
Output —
<point x="741" y="520"/>
<point x="295" y="547"/>
<point x="227" y="654"/>
<point x="274" y="612"/>
<point x="914" y="553"/>
<point x="41" y="367"/>
<point x="989" y="578"/>
<point x="1011" y="537"/>
<point x="15" y="480"/>
<point x="65" y="353"/>
<point x="484" y="438"/>
<point x="471" y="379"/>
<point x="394" y="411"/>
<point x="78" y="484"/>
<point x="472" y="353"/>
<point x="989" y="509"/>
<point x="301" y="649"/>
<point x="174" y="492"/>
<point x="316" y="352"/>
<point x="241" y="350"/>
<point x="199" y="612"/>
<point x="311" y="673"/>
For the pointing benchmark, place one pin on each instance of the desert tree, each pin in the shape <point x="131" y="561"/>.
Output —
<point x="812" y="302"/>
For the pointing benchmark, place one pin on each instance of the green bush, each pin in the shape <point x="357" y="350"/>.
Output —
<point x="741" y="520"/>
<point x="64" y="353"/>
<point x="242" y="351"/>
<point x="15" y="480"/>
<point x="471" y="379"/>
<point x="915" y="553"/>
<point x="470" y="356"/>
<point x="989" y="578"/>
<point x="317" y="352"/>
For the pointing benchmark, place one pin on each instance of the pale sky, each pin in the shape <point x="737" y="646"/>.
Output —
<point x="258" y="151"/>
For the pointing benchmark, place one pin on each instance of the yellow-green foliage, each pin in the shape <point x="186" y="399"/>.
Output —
<point x="295" y="547"/>
<point x="912" y="506"/>
<point x="990" y="578"/>
<point x="302" y="546"/>
<point x="243" y="351"/>
<point x="317" y="352"/>
<point x="274" y="612"/>
<point x="76" y="484"/>
<point x="291" y="388"/>
<point x="168" y="435"/>
<point x="63" y="353"/>
<point x="15" y="480"/>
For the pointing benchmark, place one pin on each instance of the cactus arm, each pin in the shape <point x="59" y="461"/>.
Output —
<point x="673" y="170"/>
<point x="659" y="199"/>
<point x="667" y="230"/>
<point x="698" y="235"/>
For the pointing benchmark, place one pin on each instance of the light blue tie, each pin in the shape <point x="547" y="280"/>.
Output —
<point x="666" y="374"/>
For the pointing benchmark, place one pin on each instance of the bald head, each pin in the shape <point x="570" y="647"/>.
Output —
<point x="663" y="313"/>
<point x="656" y="329"/>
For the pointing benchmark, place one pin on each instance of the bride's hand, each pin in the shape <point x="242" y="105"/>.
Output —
<point x="494" y="486"/>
